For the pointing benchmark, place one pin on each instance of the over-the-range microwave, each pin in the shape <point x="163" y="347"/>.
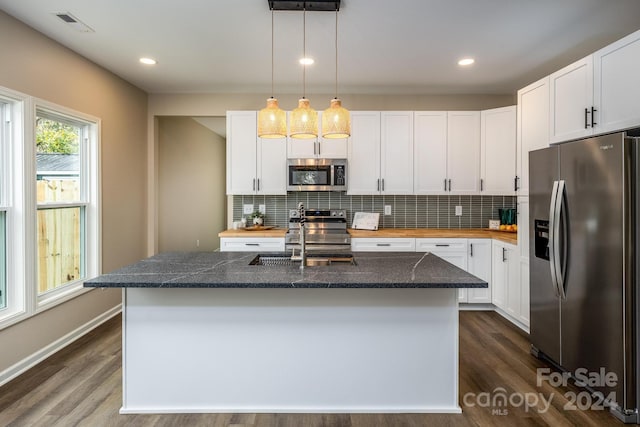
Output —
<point x="317" y="175"/>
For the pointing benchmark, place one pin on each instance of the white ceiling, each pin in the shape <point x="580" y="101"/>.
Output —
<point x="385" y="46"/>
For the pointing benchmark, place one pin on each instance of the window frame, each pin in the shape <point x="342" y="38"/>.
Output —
<point x="18" y="200"/>
<point x="90" y="201"/>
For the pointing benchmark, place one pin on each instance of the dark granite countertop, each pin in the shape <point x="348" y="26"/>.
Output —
<point x="232" y="270"/>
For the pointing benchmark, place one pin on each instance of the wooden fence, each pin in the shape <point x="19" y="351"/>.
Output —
<point x="59" y="248"/>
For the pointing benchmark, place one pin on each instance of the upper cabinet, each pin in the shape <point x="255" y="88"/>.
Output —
<point x="463" y="152"/>
<point x="498" y="151"/>
<point x="597" y="94"/>
<point x="447" y="152"/>
<point x="430" y="152"/>
<point x="381" y="152"/>
<point x="318" y="148"/>
<point x="572" y="101"/>
<point x="254" y="165"/>
<point x="617" y="85"/>
<point x="532" y="128"/>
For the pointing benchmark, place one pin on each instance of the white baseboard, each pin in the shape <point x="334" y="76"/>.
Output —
<point x="40" y="355"/>
<point x="476" y="307"/>
<point x="511" y="319"/>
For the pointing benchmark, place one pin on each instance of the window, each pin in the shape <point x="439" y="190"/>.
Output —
<point x="66" y="187"/>
<point x="49" y="204"/>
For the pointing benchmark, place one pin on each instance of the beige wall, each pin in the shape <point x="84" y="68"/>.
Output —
<point x="37" y="66"/>
<point x="191" y="185"/>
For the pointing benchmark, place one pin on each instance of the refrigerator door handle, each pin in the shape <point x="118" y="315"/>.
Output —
<point x="553" y="237"/>
<point x="560" y="253"/>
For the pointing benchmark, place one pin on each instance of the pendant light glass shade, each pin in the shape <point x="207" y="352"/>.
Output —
<point x="303" y="121"/>
<point x="272" y="121"/>
<point x="336" y="121"/>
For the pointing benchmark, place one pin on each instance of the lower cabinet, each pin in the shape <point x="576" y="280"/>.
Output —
<point x="451" y="250"/>
<point x="479" y="264"/>
<point x="383" y="244"/>
<point x="506" y="292"/>
<point x="251" y="244"/>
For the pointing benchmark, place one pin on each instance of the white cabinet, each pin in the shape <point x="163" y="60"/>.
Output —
<point x="479" y="264"/>
<point x="251" y="244"/>
<point x="597" y="94"/>
<point x="523" y="247"/>
<point x="363" y="170"/>
<point x="463" y="152"/>
<point x="430" y="152"/>
<point x="498" y="151"/>
<point x="532" y="127"/>
<point x="571" y="101"/>
<point x="617" y="85"/>
<point x="254" y="165"/>
<point x="381" y="152"/>
<point x="451" y="250"/>
<point x="318" y="148"/>
<point x="447" y="152"/>
<point x="506" y="291"/>
<point x="383" y="244"/>
<point x="396" y="152"/>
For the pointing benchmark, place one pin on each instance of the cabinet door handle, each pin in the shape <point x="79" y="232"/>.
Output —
<point x="481" y="184"/>
<point x="449" y="184"/>
<point x="258" y="184"/>
<point x="515" y="184"/>
<point x="586" y="118"/>
<point x="504" y="254"/>
<point x="254" y="184"/>
<point x="593" y="117"/>
<point x="378" y="184"/>
<point x="383" y="244"/>
<point x="252" y="244"/>
<point x="471" y="249"/>
<point x="318" y="142"/>
<point x="445" y="184"/>
<point x="442" y="245"/>
<point x="382" y="184"/>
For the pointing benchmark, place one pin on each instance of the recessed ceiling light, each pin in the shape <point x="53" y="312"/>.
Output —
<point x="466" y="61"/>
<point x="148" y="61"/>
<point x="306" y="61"/>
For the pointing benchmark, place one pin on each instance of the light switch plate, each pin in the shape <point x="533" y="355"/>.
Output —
<point x="458" y="210"/>
<point x="387" y="209"/>
<point x="247" y="209"/>
<point x="262" y="209"/>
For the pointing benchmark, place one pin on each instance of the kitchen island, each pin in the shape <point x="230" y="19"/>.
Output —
<point x="207" y="332"/>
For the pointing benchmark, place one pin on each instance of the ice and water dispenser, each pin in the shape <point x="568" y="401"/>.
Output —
<point x="541" y="239"/>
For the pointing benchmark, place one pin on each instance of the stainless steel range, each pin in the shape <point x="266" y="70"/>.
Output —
<point x="326" y="230"/>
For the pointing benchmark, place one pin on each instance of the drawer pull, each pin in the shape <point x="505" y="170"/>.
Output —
<point x="252" y="244"/>
<point x="442" y="245"/>
<point x="383" y="244"/>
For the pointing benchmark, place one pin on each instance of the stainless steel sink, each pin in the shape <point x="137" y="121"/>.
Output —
<point x="312" y="260"/>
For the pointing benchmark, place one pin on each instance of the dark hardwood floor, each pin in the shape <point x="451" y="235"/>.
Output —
<point x="81" y="386"/>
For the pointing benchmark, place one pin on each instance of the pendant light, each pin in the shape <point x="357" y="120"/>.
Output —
<point x="303" y="122"/>
<point x="336" y="122"/>
<point x="272" y="121"/>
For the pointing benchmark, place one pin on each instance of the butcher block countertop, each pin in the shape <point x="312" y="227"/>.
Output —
<point x="460" y="233"/>
<point x="464" y="233"/>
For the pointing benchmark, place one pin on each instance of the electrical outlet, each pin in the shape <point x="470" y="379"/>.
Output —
<point x="247" y="209"/>
<point x="458" y="210"/>
<point x="262" y="209"/>
<point x="387" y="209"/>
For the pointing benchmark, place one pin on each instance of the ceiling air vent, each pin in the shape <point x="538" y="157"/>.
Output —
<point x="73" y="22"/>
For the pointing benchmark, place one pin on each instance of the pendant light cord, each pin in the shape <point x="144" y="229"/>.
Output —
<point x="272" y="53"/>
<point x="336" y="97"/>
<point x="304" y="52"/>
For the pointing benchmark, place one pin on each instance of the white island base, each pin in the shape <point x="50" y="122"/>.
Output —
<point x="290" y="350"/>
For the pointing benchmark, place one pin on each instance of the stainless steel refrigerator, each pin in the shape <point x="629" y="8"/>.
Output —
<point x="583" y="259"/>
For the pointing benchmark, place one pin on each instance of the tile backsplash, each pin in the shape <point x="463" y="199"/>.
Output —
<point x="407" y="211"/>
